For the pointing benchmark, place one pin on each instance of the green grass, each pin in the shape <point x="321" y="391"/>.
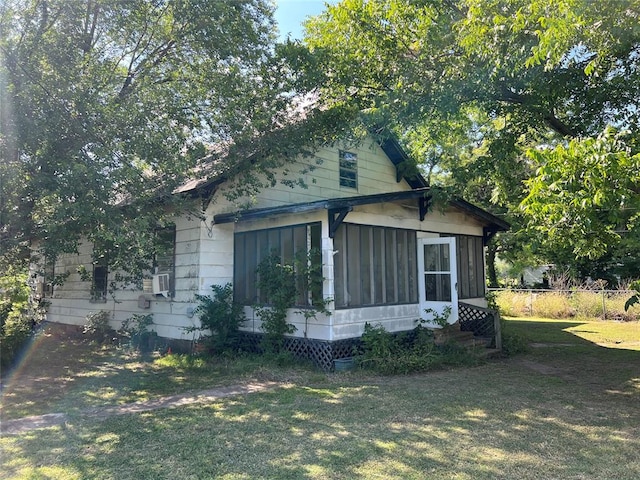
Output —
<point x="625" y="335"/>
<point x="71" y="374"/>
<point x="569" y="409"/>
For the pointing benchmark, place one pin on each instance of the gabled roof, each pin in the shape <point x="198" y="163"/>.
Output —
<point x="398" y="157"/>
<point x="339" y="207"/>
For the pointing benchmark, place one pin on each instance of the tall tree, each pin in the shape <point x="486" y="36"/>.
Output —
<point x="481" y="82"/>
<point x="108" y="106"/>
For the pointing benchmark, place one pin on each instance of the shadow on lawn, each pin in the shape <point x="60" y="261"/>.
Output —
<point x="567" y="409"/>
<point x="555" y="345"/>
<point x="63" y="371"/>
<point x="486" y="422"/>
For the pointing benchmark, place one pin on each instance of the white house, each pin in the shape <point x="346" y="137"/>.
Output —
<point x="387" y="253"/>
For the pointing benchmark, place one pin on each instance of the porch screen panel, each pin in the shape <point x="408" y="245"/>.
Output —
<point x="412" y="267"/>
<point x="286" y="245"/>
<point x="250" y="248"/>
<point x="480" y="273"/>
<point x="471" y="276"/>
<point x="391" y="273"/>
<point x="367" y="265"/>
<point x="354" y="274"/>
<point x="463" y="281"/>
<point x="245" y="264"/>
<point x="240" y="261"/>
<point x="379" y="276"/>
<point x="300" y="247"/>
<point x="401" y="247"/>
<point x="340" y="267"/>
<point x="374" y="266"/>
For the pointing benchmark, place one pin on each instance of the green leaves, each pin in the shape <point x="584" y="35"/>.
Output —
<point x="585" y="194"/>
<point x="635" y="298"/>
<point x="113" y="104"/>
<point x="471" y="86"/>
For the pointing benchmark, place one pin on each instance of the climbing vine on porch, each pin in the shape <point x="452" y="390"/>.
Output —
<point x="281" y="285"/>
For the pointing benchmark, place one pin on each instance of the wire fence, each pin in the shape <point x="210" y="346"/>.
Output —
<point x="562" y="304"/>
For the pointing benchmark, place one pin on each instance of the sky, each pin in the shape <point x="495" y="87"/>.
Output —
<point x="291" y="13"/>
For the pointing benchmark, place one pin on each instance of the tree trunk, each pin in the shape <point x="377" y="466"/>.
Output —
<point x="492" y="275"/>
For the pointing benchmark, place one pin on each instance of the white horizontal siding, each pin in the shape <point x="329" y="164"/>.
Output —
<point x="318" y="328"/>
<point x="71" y="301"/>
<point x="350" y="323"/>
<point x="376" y="174"/>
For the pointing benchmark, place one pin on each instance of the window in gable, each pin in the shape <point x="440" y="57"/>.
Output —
<point x="348" y="169"/>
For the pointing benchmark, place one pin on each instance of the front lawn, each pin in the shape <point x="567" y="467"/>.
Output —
<point x="568" y="409"/>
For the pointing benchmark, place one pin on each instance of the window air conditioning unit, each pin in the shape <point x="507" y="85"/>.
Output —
<point x="160" y="284"/>
<point x="39" y="290"/>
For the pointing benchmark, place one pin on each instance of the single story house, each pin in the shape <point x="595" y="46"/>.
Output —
<point x="388" y="255"/>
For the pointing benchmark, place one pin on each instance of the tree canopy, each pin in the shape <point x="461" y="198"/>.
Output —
<point x="475" y="85"/>
<point x="108" y="106"/>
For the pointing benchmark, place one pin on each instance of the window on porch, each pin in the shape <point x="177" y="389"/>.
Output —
<point x="250" y="248"/>
<point x="374" y="266"/>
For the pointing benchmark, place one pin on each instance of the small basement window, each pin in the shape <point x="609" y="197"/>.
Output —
<point x="348" y="169"/>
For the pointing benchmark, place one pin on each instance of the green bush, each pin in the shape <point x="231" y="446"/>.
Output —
<point x="512" y="343"/>
<point x="277" y="283"/>
<point x="635" y="298"/>
<point x="136" y="328"/>
<point x="222" y="317"/>
<point x="97" y="326"/>
<point x="407" y="352"/>
<point x="17" y="315"/>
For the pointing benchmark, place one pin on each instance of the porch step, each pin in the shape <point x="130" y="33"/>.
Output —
<point x="465" y="339"/>
<point x="453" y="335"/>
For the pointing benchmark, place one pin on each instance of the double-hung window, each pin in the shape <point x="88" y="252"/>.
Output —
<point x="348" y="169"/>
<point x="164" y="258"/>
<point x="99" y="281"/>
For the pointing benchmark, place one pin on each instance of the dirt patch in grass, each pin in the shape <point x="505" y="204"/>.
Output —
<point x="64" y="371"/>
<point x="49" y="368"/>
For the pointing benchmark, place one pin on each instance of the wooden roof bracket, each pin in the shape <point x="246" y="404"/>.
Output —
<point x="423" y="205"/>
<point x="488" y="233"/>
<point x="335" y="221"/>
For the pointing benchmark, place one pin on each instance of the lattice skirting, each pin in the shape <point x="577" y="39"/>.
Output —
<point x="321" y="352"/>
<point x="480" y="321"/>
<point x="477" y="320"/>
